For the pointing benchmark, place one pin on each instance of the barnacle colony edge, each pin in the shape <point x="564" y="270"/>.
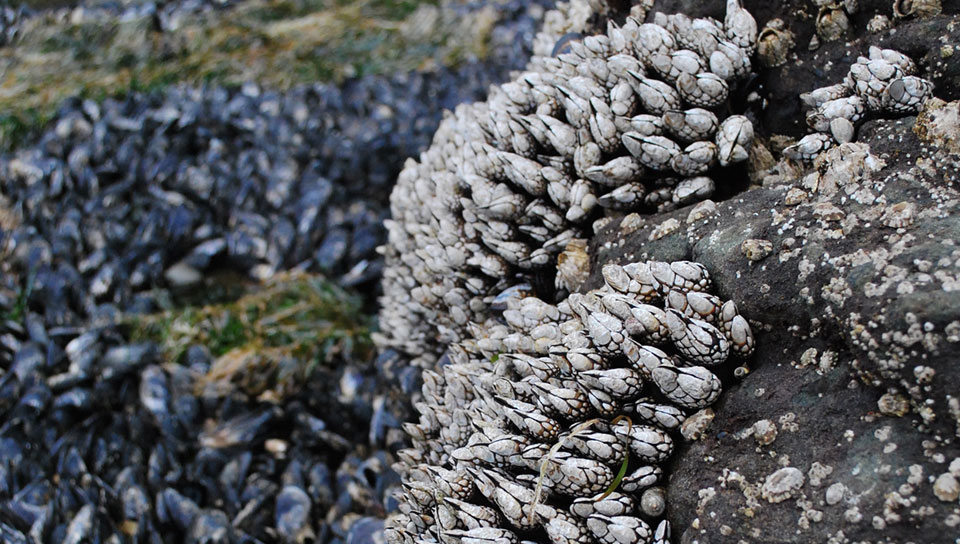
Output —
<point x="632" y="119"/>
<point x="552" y="421"/>
<point x="522" y="420"/>
<point x="884" y="81"/>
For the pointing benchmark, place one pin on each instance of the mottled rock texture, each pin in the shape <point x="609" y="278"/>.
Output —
<point x="856" y="311"/>
<point x="847" y="307"/>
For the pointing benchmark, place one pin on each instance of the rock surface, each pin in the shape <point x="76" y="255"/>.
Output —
<point x="846" y="427"/>
<point x="858" y="298"/>
<point x="854" y="297"/>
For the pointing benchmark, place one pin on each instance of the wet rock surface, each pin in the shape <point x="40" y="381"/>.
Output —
<point x="848" y="276"/>
<point x="855" y="365"/>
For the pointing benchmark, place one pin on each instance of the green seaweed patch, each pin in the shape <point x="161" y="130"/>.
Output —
<point x="19" y="127"/>
<point x="268" y="342"/>
<point x="18" y="310"/>
<point x="276" y="43"/>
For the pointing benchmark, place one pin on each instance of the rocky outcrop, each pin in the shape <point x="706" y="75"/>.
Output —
<point x="849" y="275"/>
<point x="845" y="428"/>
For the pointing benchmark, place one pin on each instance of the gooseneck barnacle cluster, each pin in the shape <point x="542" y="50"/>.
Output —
<point x="883" y="82"/>
<point x="524" y="427"/>
<point x="549" y="415"/>
<point x="631" y="118"/>
<point x="531" y="411"/>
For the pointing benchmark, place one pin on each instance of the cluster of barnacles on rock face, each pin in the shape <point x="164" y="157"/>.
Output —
<point x="628" y="119"/>
<point x="522" y="428"/>
<point x="833" y="19"/>
<point x="833" y="16"/>
<point x="884" y="81"/>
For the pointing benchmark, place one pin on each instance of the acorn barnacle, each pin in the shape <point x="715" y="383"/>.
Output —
<point x="903" y="9"/>
<point x="832" y="22"/>
<point x="774" y="43"/>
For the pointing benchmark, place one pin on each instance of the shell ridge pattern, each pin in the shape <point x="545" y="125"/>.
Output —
<point x="884" y="81"/>
<point x="527" y="404"/>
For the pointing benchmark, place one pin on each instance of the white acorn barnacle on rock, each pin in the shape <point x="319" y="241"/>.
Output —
<point x="916" y="8"/>
<point x="653" y="502"/>
<point x="893" y="404"/>
<point x="755" y="250"/>
<point x="899" y="215"/>
<point x="663" y="229"/>
<point x="695" y="425"/>
<point x="834" y="493"/>
<point x="782" y="484"/>
<point x="774" y="43"/>
<point x="701" y="211"/>
<point x="832" y="22"/>
<point x="765" y="432"/>
<point x="946" y="487"/>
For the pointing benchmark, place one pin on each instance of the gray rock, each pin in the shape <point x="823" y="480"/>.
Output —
<point x="858" y="298"/>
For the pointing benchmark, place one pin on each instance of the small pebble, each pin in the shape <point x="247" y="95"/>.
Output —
<point x="834" y="493"/>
